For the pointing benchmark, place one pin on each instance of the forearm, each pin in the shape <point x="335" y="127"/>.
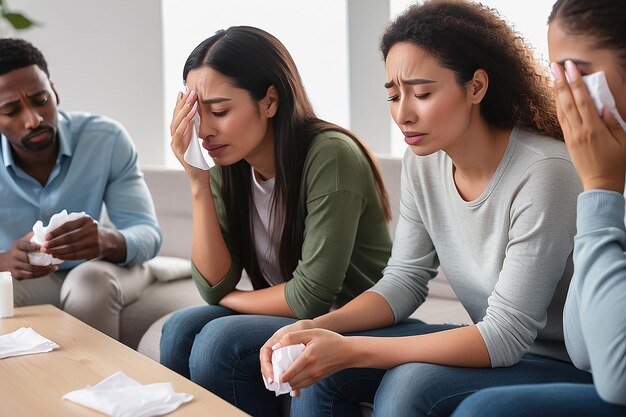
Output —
<point x="600" y="285"/>
<point x="367" y="311"/>
<point x="267" y="301"/>
<point x="208" y="249"/>
<point x="457" y="347"/>
<point x="112" y="245"/>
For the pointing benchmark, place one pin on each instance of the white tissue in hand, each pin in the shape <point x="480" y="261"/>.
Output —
<point x="40" y="232"/>
<point x="281" y="360"/>
<point x="121" y="396"/>
<point x="601" y="95"/>
<point x="195" y="154"/>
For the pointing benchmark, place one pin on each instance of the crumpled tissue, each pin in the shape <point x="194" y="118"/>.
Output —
<point x="40" y="232"/>
<point x="601" y="95"/>
<point x="121" y="396"/>
<point x="196" y="155"/>
<point x="281" y="360"/>
<point x="24" y="341"/>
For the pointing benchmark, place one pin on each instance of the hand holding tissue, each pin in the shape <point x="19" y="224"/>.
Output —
<point x="195" y="155"/>
<point x="601" y="95"/>
<point x="40" y="232"/>
<point x="281" y="360"/>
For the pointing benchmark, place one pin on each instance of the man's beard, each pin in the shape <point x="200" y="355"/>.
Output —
<point x="28" y="144"/>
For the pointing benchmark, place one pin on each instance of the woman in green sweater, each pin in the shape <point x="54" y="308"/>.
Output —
<point x="294" y="200"/>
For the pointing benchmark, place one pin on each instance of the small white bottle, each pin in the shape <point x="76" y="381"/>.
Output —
<point x="6" y="294"/>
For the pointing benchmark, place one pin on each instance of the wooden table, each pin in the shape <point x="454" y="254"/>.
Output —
<point x="32" y="385"/>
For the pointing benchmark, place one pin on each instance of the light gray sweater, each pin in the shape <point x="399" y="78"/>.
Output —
<point x="507" y="254"/>
<point x="595" y="329"/>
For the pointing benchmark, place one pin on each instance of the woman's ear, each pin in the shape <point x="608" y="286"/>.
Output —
<point x="270" y="102"/>
<point x="477" y="86"/>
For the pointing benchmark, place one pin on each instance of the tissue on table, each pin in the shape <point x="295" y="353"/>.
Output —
<point x="24" y="341"/>
<point x="121" y="396"/>
<point x="195" y="154"/>
<point x="281" y="360"/>
<point x="40" y="232"/>
<point x="601" y="95"/>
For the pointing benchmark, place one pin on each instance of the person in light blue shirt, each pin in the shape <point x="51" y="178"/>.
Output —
<point x="51" y="160"/>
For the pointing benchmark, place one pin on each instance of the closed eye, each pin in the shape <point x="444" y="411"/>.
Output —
<point x="219" y="113"/>
<point x="422" y="96"/>
<point x="393" y="98"/>
<point x="9" y="112"/>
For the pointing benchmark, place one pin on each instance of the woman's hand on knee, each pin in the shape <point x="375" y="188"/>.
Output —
<point x="272" y="344"/>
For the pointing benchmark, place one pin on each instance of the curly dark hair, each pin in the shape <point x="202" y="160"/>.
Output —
<point x="18" y="53"/>
<point x="464" y="37"/>
<point x="602" y="20"/>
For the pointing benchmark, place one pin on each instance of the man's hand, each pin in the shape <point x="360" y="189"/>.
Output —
<point x="84" y="239"/>
<point x="15" y="260"/>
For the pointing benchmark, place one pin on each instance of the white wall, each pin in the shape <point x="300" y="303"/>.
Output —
<point x="369" y="110"/>
<point x="124" y="58"/>
<point x="106" y="57"/>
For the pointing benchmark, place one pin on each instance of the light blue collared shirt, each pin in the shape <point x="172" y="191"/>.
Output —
<point x="96" y="164"/>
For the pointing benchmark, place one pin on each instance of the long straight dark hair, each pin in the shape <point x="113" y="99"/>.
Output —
<point x="255" y="60"/>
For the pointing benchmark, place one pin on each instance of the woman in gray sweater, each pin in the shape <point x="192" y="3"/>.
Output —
<point x="489" y="195"/>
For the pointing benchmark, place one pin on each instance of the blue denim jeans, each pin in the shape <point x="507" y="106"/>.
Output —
<point x="421" y="389"/>
<point x="539" y="400"/>
<point x="219" y="350"/>
<point x="179" y="333"/>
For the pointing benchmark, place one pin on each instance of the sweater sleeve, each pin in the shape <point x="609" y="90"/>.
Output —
<point x="596" y="306"/>
<point x="413" y="259"/>
<point x="541" y="232"/>
<point x="212" y="294"/>
<point x="330" y="229"/>
<point x="334" y="178"/>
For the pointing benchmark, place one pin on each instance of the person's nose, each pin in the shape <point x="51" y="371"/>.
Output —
<point x="406" y="112"/>
<point x="32" y="119"/>
<point x="207" y="128"/>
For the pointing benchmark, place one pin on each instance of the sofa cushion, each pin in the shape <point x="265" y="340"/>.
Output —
<point x="171" y="194"/>
<point x="150" y="343"/>
<point x="169" y="268"/>
<point x="155" y="301"/>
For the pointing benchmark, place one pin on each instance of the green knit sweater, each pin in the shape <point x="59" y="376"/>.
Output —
<point x="346" y="237"/>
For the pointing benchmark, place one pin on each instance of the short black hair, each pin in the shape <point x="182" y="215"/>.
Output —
<point x="18" y="53"/>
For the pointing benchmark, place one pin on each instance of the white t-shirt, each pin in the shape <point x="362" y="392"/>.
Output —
<point x="266" y="229"/>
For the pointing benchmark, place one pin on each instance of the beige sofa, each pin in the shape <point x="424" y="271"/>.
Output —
<point x="142" y="320"/>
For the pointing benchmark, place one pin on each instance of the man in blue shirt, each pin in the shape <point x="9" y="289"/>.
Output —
<point x="50" y="161"/>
